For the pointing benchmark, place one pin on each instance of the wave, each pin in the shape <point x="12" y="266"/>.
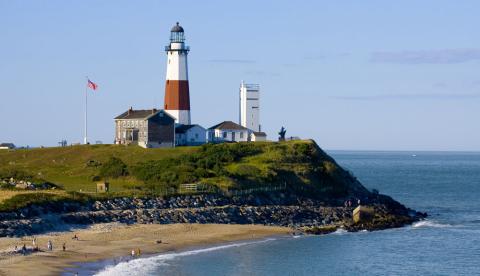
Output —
<point x="148" y="266"/>
<point x="429" y="223"/>
<point x="340" y="231"/>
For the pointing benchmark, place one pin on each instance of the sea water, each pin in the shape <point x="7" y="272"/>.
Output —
<point x="445" y="185"/>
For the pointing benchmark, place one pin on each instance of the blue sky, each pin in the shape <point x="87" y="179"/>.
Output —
<point x="366" y="75"/>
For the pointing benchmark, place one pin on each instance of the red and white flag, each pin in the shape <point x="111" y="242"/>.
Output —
<point x="92" y="85"/>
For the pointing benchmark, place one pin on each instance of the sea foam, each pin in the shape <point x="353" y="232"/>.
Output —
<point x="429" y="223"/>
<point x="148" y="266"/>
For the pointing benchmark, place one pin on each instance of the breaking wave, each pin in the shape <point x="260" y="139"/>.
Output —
<point x="148" y="266"/>
<point x="429" y="223"/>
<point x="340" y="231"/>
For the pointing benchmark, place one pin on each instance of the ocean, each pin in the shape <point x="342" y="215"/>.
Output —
<point x="446" y="185"/>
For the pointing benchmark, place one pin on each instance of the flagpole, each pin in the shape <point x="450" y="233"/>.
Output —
<point x="86" y="110"/>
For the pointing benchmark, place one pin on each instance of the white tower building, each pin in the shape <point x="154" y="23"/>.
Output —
<point x="250" y="106"/>
<point x="177" y="95"/>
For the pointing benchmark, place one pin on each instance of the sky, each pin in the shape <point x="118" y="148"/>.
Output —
<point x="353" y="75"/>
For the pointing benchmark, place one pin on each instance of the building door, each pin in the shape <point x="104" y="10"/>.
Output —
<point x="135" y="135"/>
<point x="233" y="136"/>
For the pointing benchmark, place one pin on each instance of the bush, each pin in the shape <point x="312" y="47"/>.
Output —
<point x="15" y="174"/>
<point x="23" y="200"/>
<point x="244" y="170"/>
<point x="6" y="186"/>
<point x="114" y="168"/>
<point x="93" y="164"/>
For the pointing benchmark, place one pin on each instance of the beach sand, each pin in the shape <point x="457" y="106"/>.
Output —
<point x="106" y="241"/>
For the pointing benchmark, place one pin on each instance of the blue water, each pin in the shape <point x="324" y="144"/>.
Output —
<point x="446" y="185"/>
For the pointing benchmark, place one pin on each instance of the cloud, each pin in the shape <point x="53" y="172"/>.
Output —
<point x="408" y="97"/>
<point x="231" y="61"/>
<point x="445" y="56"/>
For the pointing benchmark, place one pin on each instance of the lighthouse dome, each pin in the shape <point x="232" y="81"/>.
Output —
<point x="177" y="28"/>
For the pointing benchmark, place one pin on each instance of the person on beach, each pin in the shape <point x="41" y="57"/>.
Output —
<point x="138" y="252"/>
<point x="24" y="249"/>
<point x="133" y="253"/>
<point x="75" y="237"/>
<point x="49" y="245"/>
<point x="64" y="246"/>
<point x="34" y="242"/>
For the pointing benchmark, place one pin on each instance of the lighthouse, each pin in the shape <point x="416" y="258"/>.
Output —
<point x="177" y="95"/>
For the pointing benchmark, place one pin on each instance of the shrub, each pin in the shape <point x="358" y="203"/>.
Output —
<point x="114" y="168"/>
<point x="244" y="170"/>
<point x="93" y="164"/>
<point x="15" y="174"/>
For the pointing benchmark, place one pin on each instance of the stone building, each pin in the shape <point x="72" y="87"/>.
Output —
<point x="147" y="128"/>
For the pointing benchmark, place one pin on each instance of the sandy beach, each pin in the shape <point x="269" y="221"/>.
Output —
<point x="105" y="241"/>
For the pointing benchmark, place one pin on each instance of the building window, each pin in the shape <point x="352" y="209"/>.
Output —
<point x="225" y="135"/>
<point x="241" y="135"/>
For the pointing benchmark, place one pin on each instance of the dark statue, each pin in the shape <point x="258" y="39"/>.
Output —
<point x="282" y="134"/>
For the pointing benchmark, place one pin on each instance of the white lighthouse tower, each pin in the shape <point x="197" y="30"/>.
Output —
<point x="177" y="95"/>
<point x="250" y="106"/>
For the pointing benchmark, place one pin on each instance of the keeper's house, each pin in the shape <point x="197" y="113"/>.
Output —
<point x="151" y="128"/>
<point x="228" y="131"/>
<point x="190" y="135"/>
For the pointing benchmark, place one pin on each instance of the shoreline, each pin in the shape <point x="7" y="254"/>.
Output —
<point x="104" y="265"/>
<point x="103" y="242"/>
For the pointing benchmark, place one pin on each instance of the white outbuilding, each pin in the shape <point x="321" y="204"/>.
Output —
<point x="228" y="131"/>
<point x="190" y="135"/>
<point x="258" y="136"/>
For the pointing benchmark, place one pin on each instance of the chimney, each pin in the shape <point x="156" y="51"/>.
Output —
<point x="130" y="110"/>
<point x="154" y="110"/>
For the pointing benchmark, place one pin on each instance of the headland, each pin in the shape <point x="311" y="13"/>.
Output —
<point x="230" y="191"/>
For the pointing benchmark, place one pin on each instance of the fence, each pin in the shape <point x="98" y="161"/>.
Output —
<point x="203" y="188"/>
<point x="195" y="188"/>
<point x="239" y="192"/>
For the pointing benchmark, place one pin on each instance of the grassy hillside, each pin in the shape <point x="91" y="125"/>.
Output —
<point x="72" y="167"/>
<point x="300" y="165"/>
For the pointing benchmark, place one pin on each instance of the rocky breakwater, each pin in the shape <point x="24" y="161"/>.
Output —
<point x="278" y="208"/>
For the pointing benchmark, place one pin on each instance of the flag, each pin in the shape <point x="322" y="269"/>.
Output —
<point x="92" y="85"/>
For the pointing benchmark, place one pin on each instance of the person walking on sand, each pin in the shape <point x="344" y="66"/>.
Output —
<point x="49" y="245"/>
<point x="34" y="242"/>
<point x="64" y="246"/>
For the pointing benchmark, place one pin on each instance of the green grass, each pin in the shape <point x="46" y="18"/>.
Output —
<point x="67" y="166"/>
<point x="302" y="165"/>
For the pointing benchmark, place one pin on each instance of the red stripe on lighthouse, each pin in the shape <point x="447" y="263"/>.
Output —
<point x="177" y="96"/>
